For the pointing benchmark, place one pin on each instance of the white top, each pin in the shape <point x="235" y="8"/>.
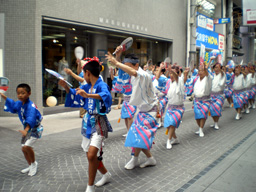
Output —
<point x="218" y="82"/>
<point x="203" y="87"/>
<point x="238" y="82"/>
<point x="248" y="81"/>
<point x="176" y="93"/>
<point x="143" y="95"/>
<point x="253" y="80"/>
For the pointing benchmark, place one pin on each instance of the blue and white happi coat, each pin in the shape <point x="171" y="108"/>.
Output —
<point x="28" y="114"/>
<point x="93" y="106"/>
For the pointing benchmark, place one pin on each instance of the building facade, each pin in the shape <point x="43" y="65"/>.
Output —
<point x="39" y="34"/>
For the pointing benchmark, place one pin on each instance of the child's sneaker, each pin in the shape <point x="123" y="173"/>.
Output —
<point x="132" y="163"/>
<point x="175" y="141"/>
<point x="105" y="179"/>
<point x="26" y="170"/>
<point x="150" y="162"/>
<point x="201" y="133"/>
<point x="168" y="144"/>
<point x="33" y="169"/>
<point x="90" y="188"/>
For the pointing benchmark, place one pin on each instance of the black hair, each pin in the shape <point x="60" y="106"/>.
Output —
<point x="94" y="67"/>
<point x="177" y="69"/>
<point x="131" y="56"/>
<point x="216" y="65"/>
<point x="163" y="70"/>
<point x="24" y="86"/>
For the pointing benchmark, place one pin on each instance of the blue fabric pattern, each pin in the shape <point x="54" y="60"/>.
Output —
<point x="28" y="114"/>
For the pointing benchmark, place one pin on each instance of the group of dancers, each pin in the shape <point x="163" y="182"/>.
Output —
<point x="157" y="94"/>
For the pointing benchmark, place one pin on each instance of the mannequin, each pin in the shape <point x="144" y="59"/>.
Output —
<point x="61" y="65"/>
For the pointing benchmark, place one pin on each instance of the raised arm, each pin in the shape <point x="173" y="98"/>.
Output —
<point x="158" y="74"/>
<point x="3" y="96"/>
<point x="79" y="67"/>
<point x="186" y="71"/>
<point x="64" y="85"/>
<point x="75" y="76"/>
<point x="125" y="68"/>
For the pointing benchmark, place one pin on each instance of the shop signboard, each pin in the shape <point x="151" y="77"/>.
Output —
<point x="209" y="38"/>
<point x="205" y="22"/>
<point x="251" y="16"/>
<point x="221" y="21"/>
<point x="221" y="42"/>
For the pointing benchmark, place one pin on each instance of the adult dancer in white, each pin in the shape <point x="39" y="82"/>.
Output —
<point x="141" y="134"/>
<point x="217" y="94"/>
<point x="202" y="86"/>
<point x="175" y="93"/>
<point x="238" y="86"/>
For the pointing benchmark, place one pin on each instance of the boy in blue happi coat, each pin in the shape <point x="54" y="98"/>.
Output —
<point x="31" y="119"/>
<point x="95" y="97"/>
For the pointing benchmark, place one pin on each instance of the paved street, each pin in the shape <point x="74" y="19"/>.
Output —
<point x="211" y="163"/>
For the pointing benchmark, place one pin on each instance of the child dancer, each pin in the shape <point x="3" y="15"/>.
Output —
<point x="31" y="119"/>
<point x="142" y="132"/>
<point x="96" y="98"/>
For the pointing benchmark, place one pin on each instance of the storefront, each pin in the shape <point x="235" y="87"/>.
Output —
<point x="60" y="39"/>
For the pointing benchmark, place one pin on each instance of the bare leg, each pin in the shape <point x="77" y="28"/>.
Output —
<point x="128" y="123"/>
<point x="202" y="122"/>
<point x="216" y="119"/>
<point x="147" y="153"/>
<point x="198" y="122"/>
<point x="31" y="154"/>
<point x="93" y="164"/>
<point x="171" y="132"/>
<point x="24" y="150"/>
<point x="137" y="152"/>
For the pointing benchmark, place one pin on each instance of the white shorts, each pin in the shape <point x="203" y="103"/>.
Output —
<point x="30" y="142"/>
<point x="96" y="141"/>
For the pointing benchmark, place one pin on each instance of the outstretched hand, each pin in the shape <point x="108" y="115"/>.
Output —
<point x="68" y="71"/>
<point x="3" y="96"/>
<point x="62" y="83"/>
<point x="81" y="92"/>
<point x="186" y="71"/>
<point x="162" y="65"/>
<point x="23" y="132"/>
<point x="111" y="59"/>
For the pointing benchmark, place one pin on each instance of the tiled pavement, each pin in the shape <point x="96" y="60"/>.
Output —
<point x="63" y="164"/>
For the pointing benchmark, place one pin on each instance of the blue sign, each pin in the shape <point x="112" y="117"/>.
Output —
<point x="209" y="39"/>
<point x="222" y="21"/>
